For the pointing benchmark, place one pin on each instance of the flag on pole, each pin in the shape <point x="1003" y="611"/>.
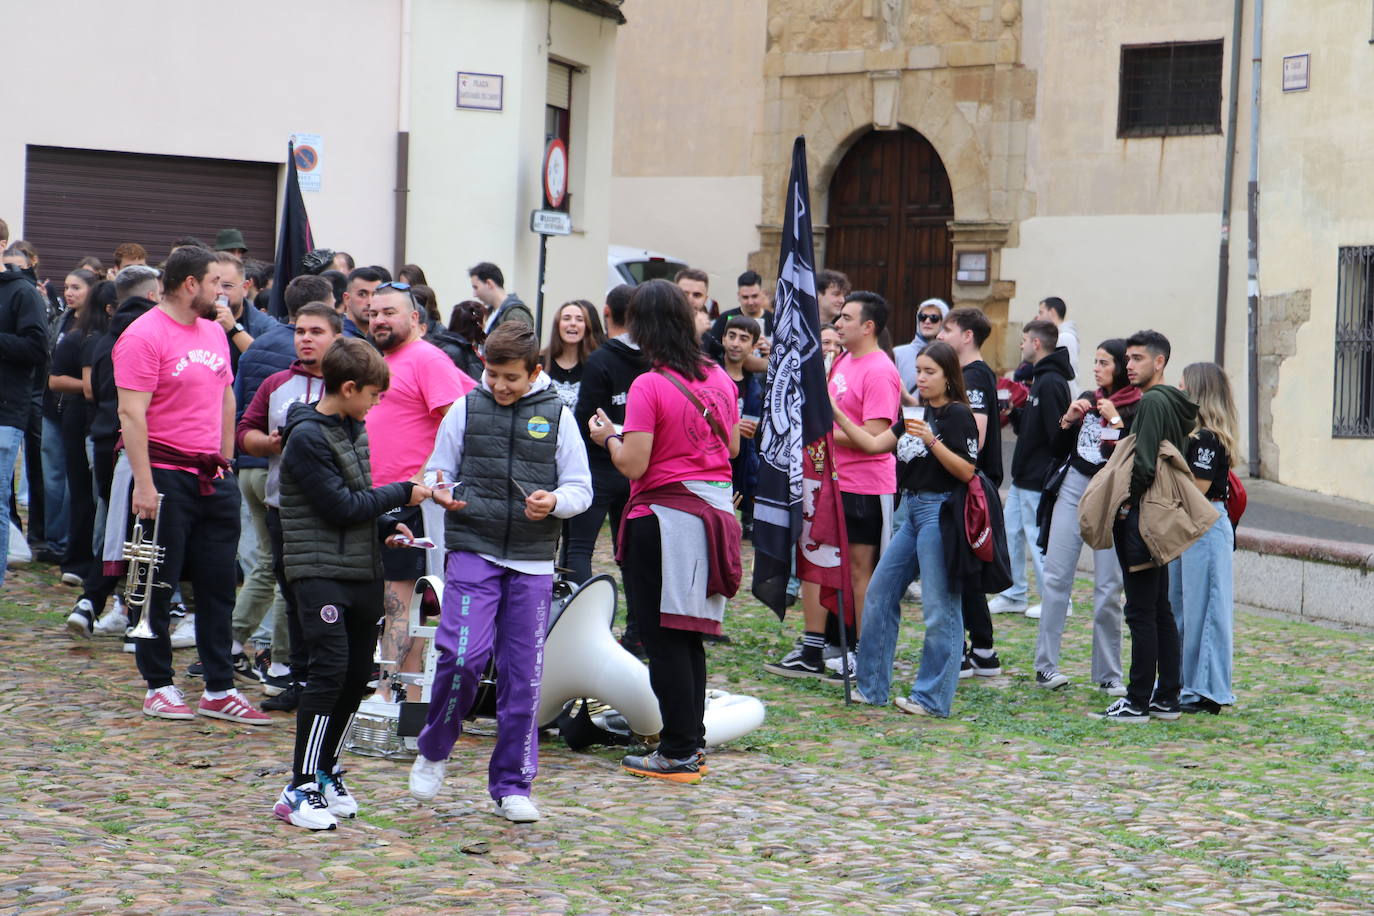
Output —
<point x="294" y="240"/>
<point x="796" y="415"/>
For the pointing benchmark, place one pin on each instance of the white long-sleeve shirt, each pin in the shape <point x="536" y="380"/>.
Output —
<point x="574" y="490"/>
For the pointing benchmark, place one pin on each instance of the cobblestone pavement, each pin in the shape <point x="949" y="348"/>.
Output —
<point x="1020" y="803"/>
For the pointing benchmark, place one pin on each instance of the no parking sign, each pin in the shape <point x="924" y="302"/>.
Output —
<point x="309" y="152"/>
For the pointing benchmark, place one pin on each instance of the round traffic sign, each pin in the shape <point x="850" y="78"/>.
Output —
<point x="555" y="173"/>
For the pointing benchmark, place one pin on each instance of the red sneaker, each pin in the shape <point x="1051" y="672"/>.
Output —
<point x="167" y="703"/>
<point x="233" y="708"/>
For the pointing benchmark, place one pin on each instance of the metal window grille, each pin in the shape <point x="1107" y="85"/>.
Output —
<point x="1352" y="415"/>
<point x="1170" y="89"/>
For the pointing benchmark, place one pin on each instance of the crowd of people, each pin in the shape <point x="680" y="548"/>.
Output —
<point x="303" y="472"/>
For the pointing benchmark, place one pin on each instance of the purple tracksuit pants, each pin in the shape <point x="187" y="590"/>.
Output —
<point x="490" y="608"/>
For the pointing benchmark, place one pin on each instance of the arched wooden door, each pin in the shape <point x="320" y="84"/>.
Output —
<point x="890" y="205"/>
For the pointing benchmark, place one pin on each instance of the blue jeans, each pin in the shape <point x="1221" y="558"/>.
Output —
<point x="56" y="519"/>
<point x="1022" y="532"/>
<point x="1201" y="591"/>
<point x="11" y="445"/>
<point x="916" y="550"/>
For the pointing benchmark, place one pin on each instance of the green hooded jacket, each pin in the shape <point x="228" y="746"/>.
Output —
<point x="1164" y="413"/>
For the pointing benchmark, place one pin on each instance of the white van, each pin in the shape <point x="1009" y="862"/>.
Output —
<point x="635" y="265"/>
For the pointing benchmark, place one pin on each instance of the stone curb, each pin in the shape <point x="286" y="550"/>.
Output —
<point x="1305" y="578"/>
<point x="1292" y="546"/>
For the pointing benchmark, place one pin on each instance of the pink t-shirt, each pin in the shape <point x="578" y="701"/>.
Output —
<point x="186" y="367"/>
<point x="867" y="388"/>
<point x="685" y="445"/>
<point x="401" y="428"/>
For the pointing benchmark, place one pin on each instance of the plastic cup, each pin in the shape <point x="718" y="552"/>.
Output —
<point x="912" y="414"/>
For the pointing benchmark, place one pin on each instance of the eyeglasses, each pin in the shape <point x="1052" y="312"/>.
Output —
<point x="930" y="318"/>
<point x="395" y="284"/>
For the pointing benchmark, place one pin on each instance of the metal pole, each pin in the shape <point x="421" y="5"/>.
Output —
<point x="1227" y="188"/>
<point x="539" y="297"/>
<point x="1252" y="253"/>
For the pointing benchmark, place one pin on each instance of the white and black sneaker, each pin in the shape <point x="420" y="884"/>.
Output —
<point x="833" y="669"/>
<point x="965" y="667"/>
<point x="985" y="665"/>
<point x="793" y="664"/>
<point x="81" y="621"/>
<point x="1050" y="681"/>
<point x="113" y="622"/>
<point x="1166" y="711"/>
<point x="1122" y="711"/>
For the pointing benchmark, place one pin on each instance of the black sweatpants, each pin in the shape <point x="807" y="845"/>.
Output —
<point x="677" y="660"/>
<point x="977" y="619"/>
<point x="1155" y="646"/>
<point x="339" y="623"/>
<point x="98" y="587"/>
<point x="201" y="537"/>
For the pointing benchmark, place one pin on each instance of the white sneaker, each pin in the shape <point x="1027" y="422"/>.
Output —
<point x="1003" y="605"/>
<point x="336" y="795"/>
<point x="1033" y="612"/>
<point x="72" y="579"/>
<point x="518" y="809"/>
<point x="184" y="633"/>
<point x="913" y="591"/>
<point x="426" y="778"/>
<point x="1112" y="688"/>
<point x="113" y="622"/>
<point x="304" y="806"/>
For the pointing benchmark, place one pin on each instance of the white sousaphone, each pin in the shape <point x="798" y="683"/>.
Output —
<point x="581" y="659"/>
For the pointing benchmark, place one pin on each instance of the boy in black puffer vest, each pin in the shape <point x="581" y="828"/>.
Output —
<point x="522" y="465"/>
<point x="333" y="526"/>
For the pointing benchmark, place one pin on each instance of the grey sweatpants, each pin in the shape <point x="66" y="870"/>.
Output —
<point x="1061" y="561"/>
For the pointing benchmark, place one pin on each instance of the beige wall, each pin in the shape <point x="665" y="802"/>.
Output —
<point x="189" y="80"/>
<point x="686" y="174"/>
<point x="476" y="175"/>
<point x="1316" y="185"/>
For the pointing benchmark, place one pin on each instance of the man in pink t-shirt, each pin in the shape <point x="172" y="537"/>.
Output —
<point x="176" y="411"/>
<point x="400" y="434"/>
<point x="866" y="388"/>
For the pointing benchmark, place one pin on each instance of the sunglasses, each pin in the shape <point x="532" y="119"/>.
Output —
<point x="395" y="284"/>
<point x="929" y="319"/>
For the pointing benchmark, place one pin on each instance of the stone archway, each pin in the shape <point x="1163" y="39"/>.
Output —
<point x="889" y="214"/>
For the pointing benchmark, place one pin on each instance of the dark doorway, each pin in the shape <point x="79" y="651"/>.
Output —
<point x="890" y="205"/>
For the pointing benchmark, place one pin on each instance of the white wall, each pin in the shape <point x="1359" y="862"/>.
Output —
<point x="145" y="76"/>
<point x="476" y="175"/>
<point x="1119" y="274"/>
<point x="711" y="222"/>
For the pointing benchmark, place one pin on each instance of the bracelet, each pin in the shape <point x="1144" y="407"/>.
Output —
<point x="614" y="436"/>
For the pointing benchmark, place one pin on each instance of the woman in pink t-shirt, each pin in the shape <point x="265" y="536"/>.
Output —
<point x="681" y="430"/>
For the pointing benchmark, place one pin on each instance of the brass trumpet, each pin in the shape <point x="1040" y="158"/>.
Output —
<point x="144" y="555"/>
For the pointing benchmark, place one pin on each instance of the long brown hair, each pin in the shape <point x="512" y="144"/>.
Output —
<point x="943" y="355"/>
<point x="592" y="338"/>
<point x="1210" y="389"/>
<point x="663" y="325"/>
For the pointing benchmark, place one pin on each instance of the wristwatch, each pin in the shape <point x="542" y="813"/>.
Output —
<point x="238" y="329"/>
<point x="1116" y="421"/>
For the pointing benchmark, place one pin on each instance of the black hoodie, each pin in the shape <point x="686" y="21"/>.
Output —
<point x="105" y="414"/>
<point x="1037" y="423"/>
<point x="23" y="345"/>
<point x="606" y="379"/>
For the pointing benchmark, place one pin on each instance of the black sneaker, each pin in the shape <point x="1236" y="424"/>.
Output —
<point x="1166" y="711"/>
<point x="794" y="664"/>
<point x="985" y="667"/>
<point x="1200" y="705"/>
<point x="719" y="639"/>
<point x="195" y="669"/>
<point x="965" y="668"/>
<point x="632" y="644"/>
<point x="1052" y="681"/>
<point x="656" y="765"/>
<point x="1122" y="711"/>
<point x="261" y="662"/>
<point x="274" y="684"/>
<point x="243" y="667"/>
<point x="286" y="701"/>
<point x="81" y="621"/>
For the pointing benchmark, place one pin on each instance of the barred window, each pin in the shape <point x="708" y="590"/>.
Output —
<point x="1170" y="89"/>
<point x="1353" y="401"/>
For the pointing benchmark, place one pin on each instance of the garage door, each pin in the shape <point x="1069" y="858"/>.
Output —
<point x="86" y="202"/>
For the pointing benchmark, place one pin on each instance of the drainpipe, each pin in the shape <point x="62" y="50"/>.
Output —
<point x="1252" y="239"/>
<point x="1227" y="185"/>
<point x="402" y="213"/>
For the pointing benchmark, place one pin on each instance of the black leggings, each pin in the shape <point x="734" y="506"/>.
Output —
<point x="98" y="586"/>
<point x="677" y="660"/>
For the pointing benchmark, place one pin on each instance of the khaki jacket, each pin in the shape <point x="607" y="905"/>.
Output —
<point x="1173" y="512"/>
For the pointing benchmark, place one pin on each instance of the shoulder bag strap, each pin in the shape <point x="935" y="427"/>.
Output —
<point x="702" y="408"/>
